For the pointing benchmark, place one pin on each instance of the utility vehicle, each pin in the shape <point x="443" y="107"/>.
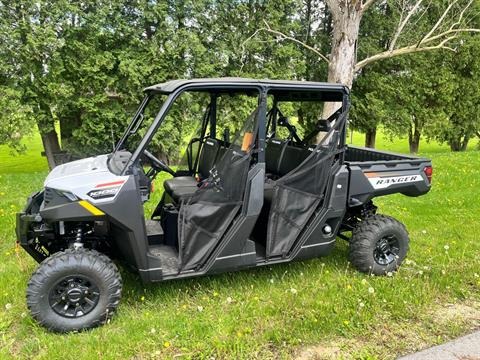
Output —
<point x="255" y="195"/>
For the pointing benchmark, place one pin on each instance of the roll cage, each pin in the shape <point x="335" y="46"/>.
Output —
<point x="281" y="91"/>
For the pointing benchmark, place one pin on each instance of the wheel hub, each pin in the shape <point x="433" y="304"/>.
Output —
<point x="74" y="296"/>
<point x="386" y="250"/>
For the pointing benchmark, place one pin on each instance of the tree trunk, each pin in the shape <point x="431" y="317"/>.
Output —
<point x="459" y="143"/>
<point x="51" y="146"/>
<point x="465" y="141"/>
<point x="346" y="16"/>
<point x="414" y="141"/>
<point x="370" y="137"/>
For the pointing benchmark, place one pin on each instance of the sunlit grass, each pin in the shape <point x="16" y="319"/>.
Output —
<point x="273" y="311"/>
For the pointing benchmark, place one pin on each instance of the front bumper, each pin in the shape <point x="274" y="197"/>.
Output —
<point x="26" y="236"/>
<point x="27" y="223"/>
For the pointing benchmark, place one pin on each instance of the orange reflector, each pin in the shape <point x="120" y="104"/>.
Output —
<point x="247" y="141"/>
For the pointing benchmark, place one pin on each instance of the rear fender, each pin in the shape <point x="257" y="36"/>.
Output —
<point x="373" y="180"/>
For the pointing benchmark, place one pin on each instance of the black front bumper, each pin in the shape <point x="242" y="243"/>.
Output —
<point x="26" y="237"/>
<point x="25" y="230"/>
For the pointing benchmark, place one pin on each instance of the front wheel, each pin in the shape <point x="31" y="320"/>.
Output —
<point x="378" y="245"/>
<point x="74" y="290"/>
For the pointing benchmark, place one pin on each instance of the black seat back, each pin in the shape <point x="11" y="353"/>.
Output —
<point x="273" y="152"/>
<point x="207" y="157"/>
<point x="291" y="157"/>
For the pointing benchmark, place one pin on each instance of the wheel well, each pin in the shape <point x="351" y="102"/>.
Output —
<point x="47" y="238"/>
<point x="355" y="215"/>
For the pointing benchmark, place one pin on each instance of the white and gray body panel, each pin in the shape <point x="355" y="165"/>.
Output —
<point x="88" y="179"/>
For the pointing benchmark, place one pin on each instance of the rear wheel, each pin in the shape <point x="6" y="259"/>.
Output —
<point x="74" y="290"/>
<point x="378" y="245"/>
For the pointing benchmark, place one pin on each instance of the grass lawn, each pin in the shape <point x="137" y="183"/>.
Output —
<point x="317" y="308"/>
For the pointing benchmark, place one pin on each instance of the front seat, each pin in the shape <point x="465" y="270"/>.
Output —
<point x="181" y="187"/>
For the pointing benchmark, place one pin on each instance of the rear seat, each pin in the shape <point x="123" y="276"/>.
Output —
<point x="181" y="187"/>
<point x="280" y="159"/>
<point x="273" y="153"/>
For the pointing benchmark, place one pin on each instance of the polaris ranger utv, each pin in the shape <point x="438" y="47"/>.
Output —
<point x="261" y="196"/>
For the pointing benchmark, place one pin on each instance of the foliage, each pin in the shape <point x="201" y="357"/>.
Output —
<point x="464" y="119"/>
<point x="84" y="64"/>
<point x="18" y="118"/>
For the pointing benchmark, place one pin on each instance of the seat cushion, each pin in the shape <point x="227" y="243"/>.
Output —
<point x="171" y="185"/>
<point x="180" y="187"/>
<point x="183" y="193"/>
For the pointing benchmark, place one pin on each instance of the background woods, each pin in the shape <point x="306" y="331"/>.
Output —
<point x="83" y="65"/>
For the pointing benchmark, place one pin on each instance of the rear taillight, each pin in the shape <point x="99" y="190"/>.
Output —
<point x="428" y="170"/>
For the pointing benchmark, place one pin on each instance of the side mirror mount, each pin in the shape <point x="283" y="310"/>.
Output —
<point x="283" y="121"/>
<point x="323" y="125"/>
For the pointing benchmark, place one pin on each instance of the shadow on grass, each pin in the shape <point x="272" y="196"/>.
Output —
<point x="166" y="291"/>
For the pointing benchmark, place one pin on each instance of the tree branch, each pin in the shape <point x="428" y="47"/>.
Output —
<point x="451" y="31"/>
<point x="403" y="51"/>
<point x="283" y="36"/>
<point x="402" y="24"/>
<point x="442" y="37"/>
<point x="440" y="20"/>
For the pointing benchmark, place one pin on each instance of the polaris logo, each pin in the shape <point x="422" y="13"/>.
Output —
<point x="385" y="182"/>
<point x="102" y="194"/>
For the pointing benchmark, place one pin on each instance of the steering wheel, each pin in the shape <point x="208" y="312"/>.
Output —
<point x="158" y="164"/>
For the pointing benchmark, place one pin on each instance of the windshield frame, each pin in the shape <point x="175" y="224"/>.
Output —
<point x="163" y="112"/>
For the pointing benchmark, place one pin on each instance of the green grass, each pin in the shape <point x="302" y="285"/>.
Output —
<point x="26" y="162"/>
<point x="275" y="311"/>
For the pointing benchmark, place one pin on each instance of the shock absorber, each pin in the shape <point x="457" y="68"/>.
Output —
<point x="78" y="244"/>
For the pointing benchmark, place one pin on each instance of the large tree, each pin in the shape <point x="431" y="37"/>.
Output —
<point x="413" y="32"/>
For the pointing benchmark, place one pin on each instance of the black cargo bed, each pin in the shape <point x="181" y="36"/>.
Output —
<point x="361" y="156"/>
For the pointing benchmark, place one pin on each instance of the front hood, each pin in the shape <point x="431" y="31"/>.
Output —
<point x="82" y="176"/>
<point x="87" y="166"/>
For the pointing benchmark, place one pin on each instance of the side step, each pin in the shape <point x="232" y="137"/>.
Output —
<point x="168" y="257"/>
<point x="155" y="233"/>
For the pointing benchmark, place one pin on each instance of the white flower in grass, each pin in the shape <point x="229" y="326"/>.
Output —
<point x="293" y="291"/>
<point x="446" y="247"/>
<point x="476" y="275"/>
<point x="389" y="274"/>
<point x="8" y="306"/>
<point x="424" y="231"/>
<point x="272" y="281"/>
<point x="420" y="272"/>
<point x="364" y="282"/>
<point x="229" y="300"/>
<point x="361" y="305"/>
<point x="371" y="290"/>
<point x="443" y="272"/>
<point x="199" y="308"/>
<point x="153" y="331"/>
<point x="408" y="262"/>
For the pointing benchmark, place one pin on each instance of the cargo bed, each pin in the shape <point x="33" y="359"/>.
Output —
<point x="375" y="173"/>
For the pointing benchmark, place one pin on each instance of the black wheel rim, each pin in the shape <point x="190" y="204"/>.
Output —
<point x="386" y="250"/>
<point x="74" y="296"/>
